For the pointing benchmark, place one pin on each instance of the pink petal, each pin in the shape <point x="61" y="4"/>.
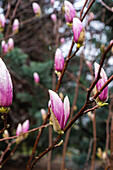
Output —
<point x="66" y="109"/>
<point x="77" y="28"/>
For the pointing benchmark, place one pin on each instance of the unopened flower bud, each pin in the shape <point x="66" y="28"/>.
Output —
<point x="69" y="12"/>
<point x="78" y="31"/>
<point x="43" y="113"/>
<point x="59" y="60"/>
<point x="10" y="44"/>
<point x="36" y="77"/>
<point x="62" y="40"/>
<point x="4" y="47"/>
<point x="19" y="129"/>
<point x="6" y="87"/>
<point x="16" y="26"/>
<point x="52" y="2"/>
<point x="53" y="17"/>
<point x="25" y="126"/>
<point x="36" y="9"/>
<point x="91" y="16"/>
<point x="103" y="78"/>
<point x="89" y="64"/>
<point x="2" y="21"/>
<point x="6" y="133"/>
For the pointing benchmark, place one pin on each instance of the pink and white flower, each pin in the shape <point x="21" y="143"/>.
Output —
<point x="10" y="44"/>
<point x="25" y="126"/>
<point x="69" y="12"/>
<point x="59" y="111"/>
<point x="36" y="8"/>
<point x="6" y="87"/>
<point x="36" y="77"/>
<point x="78" y="31"/>
<point x="53" y="17"/>
<point x="16" y="26"/>
<point x="104" y="94"/>
<point x="2" y="21"/>
<point x="59" y="60"/>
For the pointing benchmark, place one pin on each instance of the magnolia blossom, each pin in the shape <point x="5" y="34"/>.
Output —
<point x="59" y="60"/>
<point x="53" y="17"/>
<point x="22" y="128"/>
<point x="43" y="113"/>
<point x="16" y="25"/>
<point x="2" y="21"/>
<point x="103" y="78"/>
<point x="36" y="8"/>
<point x="52" y="2"/>
<point x="10" y="44"/>
<point x="59" y="111"/>
<point x="69" y="12"/>
<point x="78" y="31"/>
<point x="36" y="77"/>
<point x="6" y="87"/>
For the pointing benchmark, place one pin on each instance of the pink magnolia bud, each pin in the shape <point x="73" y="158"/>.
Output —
<point x="19" y="129"/>
<point x="62" y="40"/>
<point x="104" y="94"/>
<point x="43" y="113"/>
<point x="6" y="87"/>
<point x="25" y="126"/>
<point x="111" y="42"/>
<point x="53" y="17"/>
<point x="36" y="77"/>
<point x="36" y="8"/>
<point x="69" y="12"/>
<point x="5" y="49"/>
<point x="89" y="64"/>
<point x="91" y="16"/>
<point x="59" y="60"/>
<point x="3" y="44"/>
<point x="16" y="26"/>
<point x="10" y="44"/>
<point x="2" y="21"/>
<point x="78" y="31"/>
<point x="52" y="2"/>
<point x="59" y="111"/>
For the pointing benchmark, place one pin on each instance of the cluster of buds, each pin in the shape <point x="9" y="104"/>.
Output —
<point x="22" y="128"/>
<point x="6" y="87"/>
<point x="59" y="62"/>
<point x="36" y="9"/>
<point x="59" y="111"/>
<point x="69" y="12"/>
<point x="15" y="26"/>
<point x="103" y="78"/>
<point x="36" y="78"/>
<point x="2" y="22"/>
<point x="54" y="18"/>
<point x="7" y="47"/>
